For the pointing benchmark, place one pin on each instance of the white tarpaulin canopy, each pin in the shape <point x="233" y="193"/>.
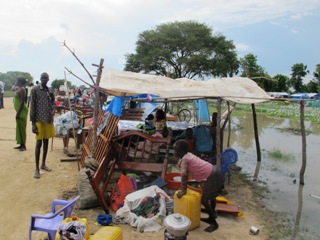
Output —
<point x="236" y="89"/>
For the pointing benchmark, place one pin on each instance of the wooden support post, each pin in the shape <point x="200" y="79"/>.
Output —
<point x="256" y="134"/>
<point x="95" y="110"/>
<point x="218" y="133"/>
<point x="229" y="124"/>
<point x="303" y="135"/>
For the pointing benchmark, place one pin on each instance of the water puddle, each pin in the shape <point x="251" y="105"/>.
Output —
<point x="279" y="137"/>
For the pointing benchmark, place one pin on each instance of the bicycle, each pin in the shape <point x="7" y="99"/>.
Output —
<point x="183" y="114"/>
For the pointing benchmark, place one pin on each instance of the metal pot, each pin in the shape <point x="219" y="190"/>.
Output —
<point x="177" y="224"/>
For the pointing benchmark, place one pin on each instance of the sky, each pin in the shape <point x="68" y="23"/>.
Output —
<point x="279" y="33"/>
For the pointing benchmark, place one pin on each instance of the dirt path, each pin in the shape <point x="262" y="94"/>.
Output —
<point x="21" y="194"/>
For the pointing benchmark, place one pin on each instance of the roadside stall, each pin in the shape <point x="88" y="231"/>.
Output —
<point x="125" y="84"/>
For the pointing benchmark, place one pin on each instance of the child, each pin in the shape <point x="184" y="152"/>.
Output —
<point x="160" y="124"/>
<point x="201" y="171"/>
<point x="188" y="136"/>
<point x="149" y="124"/>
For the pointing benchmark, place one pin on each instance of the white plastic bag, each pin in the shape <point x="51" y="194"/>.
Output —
<point x="74" y="230"/>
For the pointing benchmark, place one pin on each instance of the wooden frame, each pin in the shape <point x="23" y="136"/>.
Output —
<point x="135" y="151"/>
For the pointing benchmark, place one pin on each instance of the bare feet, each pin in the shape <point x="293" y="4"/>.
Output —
<point x="36" y="174"/>
<point x="44" y="167"/>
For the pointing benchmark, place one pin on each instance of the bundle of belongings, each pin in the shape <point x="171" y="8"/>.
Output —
<point x="65" y="122"/>
<point x="144" y="209"/>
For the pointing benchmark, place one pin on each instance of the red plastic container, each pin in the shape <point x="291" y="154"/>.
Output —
<point x="174" y="184"/>
<point x="171" y="184"/>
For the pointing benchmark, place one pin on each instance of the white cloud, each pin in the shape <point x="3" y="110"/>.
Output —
<point x="109" y="28"/>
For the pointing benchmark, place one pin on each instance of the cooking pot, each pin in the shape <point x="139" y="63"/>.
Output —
<point x="177" y="224"/>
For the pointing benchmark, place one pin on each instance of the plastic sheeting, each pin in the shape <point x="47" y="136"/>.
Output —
<point x="236" y="89"/>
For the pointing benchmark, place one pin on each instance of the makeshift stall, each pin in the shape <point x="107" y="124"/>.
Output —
<point x="126" y="84"/>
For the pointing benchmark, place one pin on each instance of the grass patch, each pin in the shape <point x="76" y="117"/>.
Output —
<point x="277" y="154"/>
<point x="8" y="94"/>
<point x="289" y="110"/>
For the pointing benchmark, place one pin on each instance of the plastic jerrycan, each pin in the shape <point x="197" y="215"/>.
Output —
<point x="190" y="206"/>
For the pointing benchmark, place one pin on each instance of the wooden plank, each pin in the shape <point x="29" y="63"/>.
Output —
<point x="68" y="159"/>
<point x="138" y="166"/>
<point x="228" y="208"/>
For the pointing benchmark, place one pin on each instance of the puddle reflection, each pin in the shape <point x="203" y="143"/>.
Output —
<point x="281" y="175"/>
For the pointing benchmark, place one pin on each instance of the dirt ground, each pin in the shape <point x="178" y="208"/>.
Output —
<point x="22" y="195"/>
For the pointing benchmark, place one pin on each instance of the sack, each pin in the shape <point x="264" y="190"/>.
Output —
<point x="202" y="139"/>
<point x="124" y="186"/>
<point x="74" y="230"/>
<point x="88" y="198"/>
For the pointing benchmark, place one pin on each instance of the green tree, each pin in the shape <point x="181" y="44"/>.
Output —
<point x="58" y="82"/>
<point x="9" y="78"/>
<point x="312" y="87"/>
<point x="282" y="83"/>
<point x="251" y="69"/>
<point x="298" y="72"/>
<point x="316" y="77"/>
<point x="183" y="49"/>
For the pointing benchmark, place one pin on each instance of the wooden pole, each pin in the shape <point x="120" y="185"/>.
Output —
<point x="256" y="134"/>
<point x="95" y="110"/>
<point x="303" y="135"/>
<point x="70" y="109"/>
<point x="229" y="124"/>
<point x="218" y="133"/>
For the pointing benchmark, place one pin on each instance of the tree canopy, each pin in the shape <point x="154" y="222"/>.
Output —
<point x="58" y="82"/>
<point x="9" y="78"/>
<point x="183" y="49"/>
<point x="298" y="72"/>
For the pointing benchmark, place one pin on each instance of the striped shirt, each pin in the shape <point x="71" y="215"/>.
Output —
<point x="41" y="105"/>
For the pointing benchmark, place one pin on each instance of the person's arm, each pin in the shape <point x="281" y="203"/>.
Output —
<point x="33" y="110"/>
<point x="184" y="179"/>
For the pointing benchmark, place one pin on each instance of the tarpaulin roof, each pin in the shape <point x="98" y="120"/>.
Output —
<point x="237" y="89"/>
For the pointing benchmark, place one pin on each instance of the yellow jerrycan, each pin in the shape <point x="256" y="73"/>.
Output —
<point x="190" y="206"/>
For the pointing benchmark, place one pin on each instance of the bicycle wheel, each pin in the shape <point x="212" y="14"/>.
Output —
<point x="184" y="115"/>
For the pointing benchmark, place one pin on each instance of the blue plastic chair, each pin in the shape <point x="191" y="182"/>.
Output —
<point x="228" y="158"/>
<point x="50" y="222"/>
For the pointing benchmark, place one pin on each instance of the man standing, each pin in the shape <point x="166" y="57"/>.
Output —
<point x="41" y="116"/>
<point x="1" y="94"/>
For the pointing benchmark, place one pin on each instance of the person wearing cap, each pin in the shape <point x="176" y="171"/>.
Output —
<point x="41" y="116"/>
<point x="21" y="114"/>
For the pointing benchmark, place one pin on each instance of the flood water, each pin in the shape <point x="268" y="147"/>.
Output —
<point x="282" y="175"/>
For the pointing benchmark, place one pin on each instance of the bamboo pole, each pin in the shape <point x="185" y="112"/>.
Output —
<point x="95" y="111"/>
<point x="303" y="135"/>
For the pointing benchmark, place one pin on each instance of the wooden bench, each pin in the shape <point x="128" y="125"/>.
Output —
<point x="132" y="114"/>
<point x="137" y="151"/>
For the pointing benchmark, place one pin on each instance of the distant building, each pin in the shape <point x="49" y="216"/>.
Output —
<point x="299" y="96"/>
<point x="279" y="94"/>
<point x="314" y="96"/>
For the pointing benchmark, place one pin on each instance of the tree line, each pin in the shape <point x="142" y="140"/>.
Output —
<point x="191" y="49"/>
